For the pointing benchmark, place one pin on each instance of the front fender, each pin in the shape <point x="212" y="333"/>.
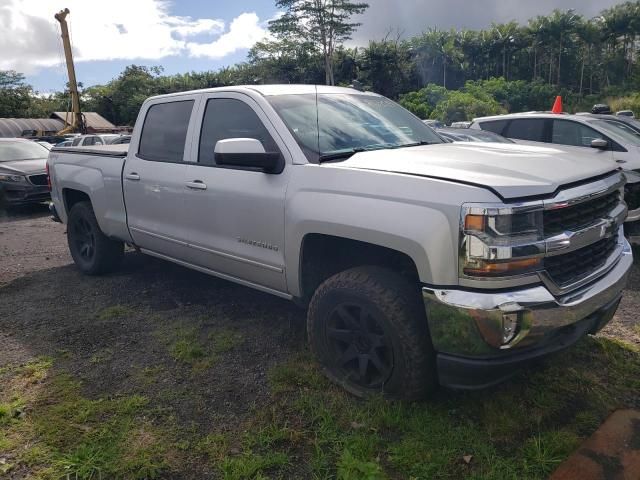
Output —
<point x="423" y="234"/>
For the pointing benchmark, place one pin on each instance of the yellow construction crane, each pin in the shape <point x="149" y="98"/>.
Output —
<point x="77" y="120"/>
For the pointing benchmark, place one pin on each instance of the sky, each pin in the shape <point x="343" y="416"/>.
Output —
<point x="198" y="35"/>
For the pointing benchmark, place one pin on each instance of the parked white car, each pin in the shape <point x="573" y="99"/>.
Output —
<point x="91" y="140"/>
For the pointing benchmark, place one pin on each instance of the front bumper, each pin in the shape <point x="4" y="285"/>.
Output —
<point x="14" y="194"/>
<point x="468" y="327"/>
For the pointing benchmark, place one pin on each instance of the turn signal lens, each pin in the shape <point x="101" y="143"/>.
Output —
<point x="474" y="222"/>
<point x="510" y="267"/>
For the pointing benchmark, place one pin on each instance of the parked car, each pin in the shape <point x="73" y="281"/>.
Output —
<point x="66" y="143"/>
<point x="598" y="136"/>
<point x="420" y="262"/>
<point x="121" y="140"/>
<point x="471" y="135"/>
<point x="631" y="122"/>
<point x="626" y="113"/>
<point x="90" y="140"/>
<point x="433" y="123"/>
<point x="23" y="177"/>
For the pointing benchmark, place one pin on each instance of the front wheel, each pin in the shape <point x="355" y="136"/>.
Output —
<point x="368" y="329"/>
<point x="92" y="251"/>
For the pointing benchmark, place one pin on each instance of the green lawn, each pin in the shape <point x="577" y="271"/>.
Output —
<point x="311" y="429"/>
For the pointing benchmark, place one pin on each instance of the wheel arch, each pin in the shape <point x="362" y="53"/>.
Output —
<point x="322" y="255"/>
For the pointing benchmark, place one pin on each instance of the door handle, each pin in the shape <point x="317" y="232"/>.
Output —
<point x="132" y="176"/>
<point x="196" y="185"/>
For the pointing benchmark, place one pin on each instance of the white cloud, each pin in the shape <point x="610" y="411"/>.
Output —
<point x="118" y="29"/>
<point x="244" y="31"/>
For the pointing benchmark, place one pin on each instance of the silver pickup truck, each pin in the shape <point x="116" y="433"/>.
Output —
<point x="421" y="262"/>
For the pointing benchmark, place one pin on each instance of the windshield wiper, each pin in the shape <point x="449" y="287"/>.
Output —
<point x="414" y="144"/>
<point x="344" y="154"/>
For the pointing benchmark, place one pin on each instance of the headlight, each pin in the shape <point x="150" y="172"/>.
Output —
<point x="13" y="178"/>
<point x="501" y="241"/>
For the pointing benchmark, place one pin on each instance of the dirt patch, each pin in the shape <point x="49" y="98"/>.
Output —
<point x="625" y="325"/>
<point x="30" y="241"/>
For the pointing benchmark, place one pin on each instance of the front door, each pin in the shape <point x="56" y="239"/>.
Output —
<point x="236" y="216"/>
<point x="153" y="179"/>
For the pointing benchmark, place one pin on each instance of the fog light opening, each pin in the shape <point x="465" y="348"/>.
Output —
<point x="510" y="326"/>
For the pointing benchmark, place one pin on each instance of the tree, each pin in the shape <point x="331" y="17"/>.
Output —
<point x="15" y="94"/>
<point x="286" y="61"/>
<point x="387" y="67"/>
<point x="325" y="24"/>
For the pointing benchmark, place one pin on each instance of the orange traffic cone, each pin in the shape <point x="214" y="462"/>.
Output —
<point x="557" y="105"/>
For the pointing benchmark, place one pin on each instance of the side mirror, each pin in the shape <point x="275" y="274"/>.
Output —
<point x="247" y="153"/>
<point x="600" y="144"/>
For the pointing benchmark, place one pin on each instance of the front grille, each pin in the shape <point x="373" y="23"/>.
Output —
<point x="40" y="180"/>
<point x="571" y="267"/>
<point x="578" y="216"/>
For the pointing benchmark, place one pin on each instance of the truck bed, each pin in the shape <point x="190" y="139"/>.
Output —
<point x="95" y="172"/>
<point x="102" y="150"/>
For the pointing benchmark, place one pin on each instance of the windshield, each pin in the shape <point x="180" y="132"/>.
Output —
<point x="336" y="123"/>
<point x="12" y="151"/>
<point x="620" y="130"/>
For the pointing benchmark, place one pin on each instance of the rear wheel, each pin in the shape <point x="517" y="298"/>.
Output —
<point x="367" y="327"/>
<point x="92" y="251"/>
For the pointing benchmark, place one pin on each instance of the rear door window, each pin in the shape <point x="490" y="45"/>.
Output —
<point x="164" y="132"/>
<point x="531" y="129"/>
<point x="495" y="126"/>
<point x="566" y="132"/>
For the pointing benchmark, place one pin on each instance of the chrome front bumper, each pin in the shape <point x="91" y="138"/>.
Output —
<point x="475" y="324"/>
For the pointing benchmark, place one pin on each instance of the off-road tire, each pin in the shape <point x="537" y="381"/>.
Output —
<point x="93" y="252"/>
<point x="395" y="306"/>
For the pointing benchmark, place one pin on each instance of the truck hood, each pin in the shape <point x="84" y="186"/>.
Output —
<point x="23" y="167"/>
<point x="511" y="170"/>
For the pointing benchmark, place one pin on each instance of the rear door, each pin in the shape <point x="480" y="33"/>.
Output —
<point x="235" y="216"/>
<point x="153" y="177"/>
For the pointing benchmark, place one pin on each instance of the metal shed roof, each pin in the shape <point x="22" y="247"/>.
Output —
<point x="93" y="120"/>
<point x="13" y="127"/>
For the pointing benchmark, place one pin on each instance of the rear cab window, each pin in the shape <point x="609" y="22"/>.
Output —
<point x="164" y="131"/>
<point x="531" y="129"/>
<point x="495" y="126"/>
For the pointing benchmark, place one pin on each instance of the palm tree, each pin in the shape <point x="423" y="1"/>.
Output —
<point x="505" y="39"/>
<point x="562" y="25"/>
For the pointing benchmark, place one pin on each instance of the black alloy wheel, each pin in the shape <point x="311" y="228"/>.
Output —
<point x="361" y="348"/>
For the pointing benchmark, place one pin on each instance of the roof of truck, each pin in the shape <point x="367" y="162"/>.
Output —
<point x="268" y="90"/>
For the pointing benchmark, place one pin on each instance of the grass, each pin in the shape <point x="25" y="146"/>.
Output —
<point x="58" y="433"/>
<point x="113" y="312"/>
<point x="311" y="429"/>
<point x="522" y="429"/>
<point x="187" y="346"/>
